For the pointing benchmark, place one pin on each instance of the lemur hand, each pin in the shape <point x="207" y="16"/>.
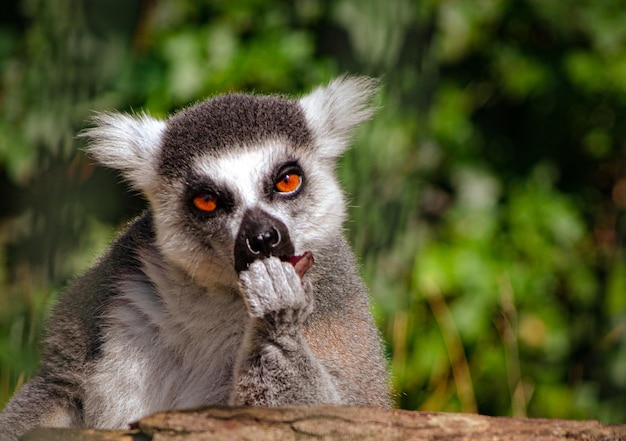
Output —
<point x="275" y="289"/>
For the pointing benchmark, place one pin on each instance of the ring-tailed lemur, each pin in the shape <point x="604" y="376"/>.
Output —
<point x="236" y="287"/>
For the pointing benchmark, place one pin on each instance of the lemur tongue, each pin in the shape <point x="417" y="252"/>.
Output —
<point x="301" y="263"/>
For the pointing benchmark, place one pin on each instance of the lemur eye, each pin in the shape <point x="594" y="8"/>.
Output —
<point x="288" y="182"/>
<point x="206" y="202"/>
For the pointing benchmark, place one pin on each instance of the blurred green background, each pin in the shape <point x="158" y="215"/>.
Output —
<point x="488" y="195"/>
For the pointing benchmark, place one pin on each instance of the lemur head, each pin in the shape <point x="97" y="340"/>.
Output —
<point x="239" y="177"/>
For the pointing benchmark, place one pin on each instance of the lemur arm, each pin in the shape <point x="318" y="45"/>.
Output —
<point x="275" y="365"/>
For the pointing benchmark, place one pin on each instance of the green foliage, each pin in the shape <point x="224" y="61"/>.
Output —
<point x="498" y="240"/>
<point x="487" y="196"/>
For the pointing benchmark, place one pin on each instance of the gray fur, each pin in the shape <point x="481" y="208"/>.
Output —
<point x="228" y="122"/>
<point x="164" y="321"/>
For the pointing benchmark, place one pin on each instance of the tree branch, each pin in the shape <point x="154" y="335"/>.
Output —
<point x="338" y="423"/>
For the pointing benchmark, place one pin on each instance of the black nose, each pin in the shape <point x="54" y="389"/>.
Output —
<point x="260" y="236"/>
<point x="265" y="242"/>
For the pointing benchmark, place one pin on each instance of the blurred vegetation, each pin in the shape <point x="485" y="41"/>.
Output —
<point x="487" y="196"/>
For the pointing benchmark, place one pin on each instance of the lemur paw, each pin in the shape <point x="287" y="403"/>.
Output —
<point x="273" y="289"/>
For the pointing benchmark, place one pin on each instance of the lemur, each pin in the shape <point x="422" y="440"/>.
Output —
<point x="236" y="287"/>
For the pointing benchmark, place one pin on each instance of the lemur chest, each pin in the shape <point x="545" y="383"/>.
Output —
<point x="164" y="352"/>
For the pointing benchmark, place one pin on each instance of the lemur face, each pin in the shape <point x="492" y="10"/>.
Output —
<point x="225" y="211"/>
<point x="239" y="177"/>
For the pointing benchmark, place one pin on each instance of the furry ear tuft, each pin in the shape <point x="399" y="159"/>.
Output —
<point x="127" y="143"/>
<point x="335" y="110"/>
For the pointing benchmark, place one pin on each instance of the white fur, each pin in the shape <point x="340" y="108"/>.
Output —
<point x="241" y="170"/>
<point x="335" y="110"/>
<point x="127" y="143"/>
<point x="168" y="351"/>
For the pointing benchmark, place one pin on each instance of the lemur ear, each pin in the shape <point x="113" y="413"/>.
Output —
<point x="129" y="144"/>
<point x="334" y="111"/>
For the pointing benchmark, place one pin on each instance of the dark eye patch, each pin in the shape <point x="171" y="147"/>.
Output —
<point x="206" y="199"/>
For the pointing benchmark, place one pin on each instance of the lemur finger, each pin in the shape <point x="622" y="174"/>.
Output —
<point x="270" y="285"/>
<point x="286" y="282"/>
<point x="304" y="264"/>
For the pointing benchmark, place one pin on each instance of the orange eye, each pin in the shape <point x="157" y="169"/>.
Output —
<point x="289" y="183"/>
<point x="206" y="202"/>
